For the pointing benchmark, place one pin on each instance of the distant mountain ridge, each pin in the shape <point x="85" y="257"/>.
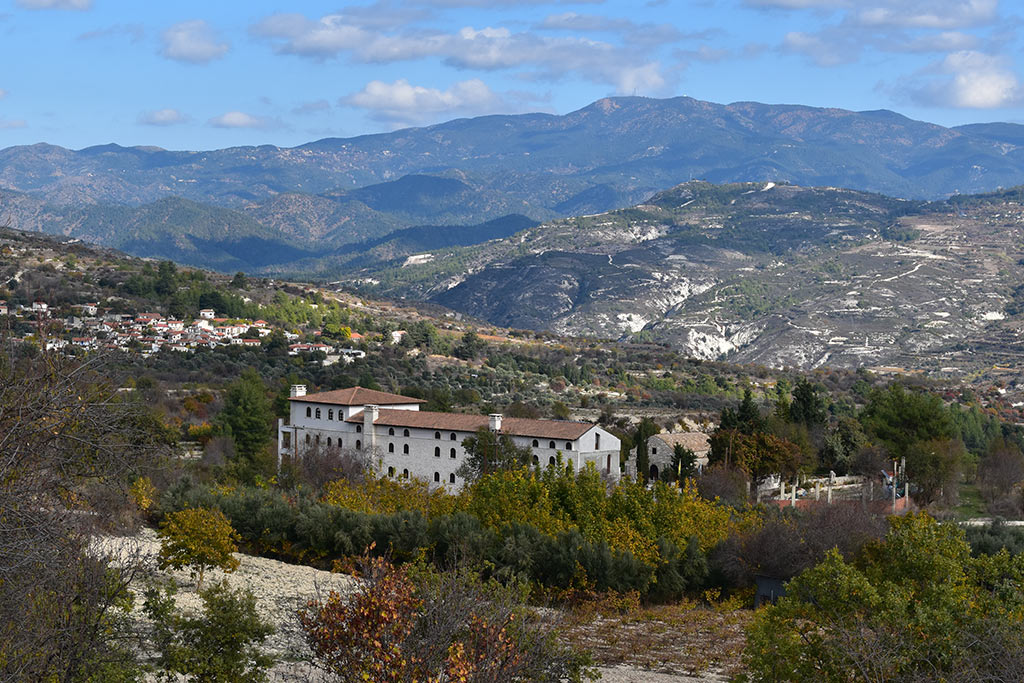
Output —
<point x="295" y="207"/>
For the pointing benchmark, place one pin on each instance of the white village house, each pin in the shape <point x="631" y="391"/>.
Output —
<point x="404" y="441"/>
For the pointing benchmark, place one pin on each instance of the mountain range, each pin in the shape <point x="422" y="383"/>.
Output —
<point x="313" y="208"/>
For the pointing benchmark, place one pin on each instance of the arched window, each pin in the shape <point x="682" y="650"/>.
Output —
<point x="359" y="428"/>
<point x="452" y="437"/>
<point x="405" y="432"/>
<point x="451" y="453"/>
<point x="551" y="460"/>
<point x="597" y="442"/>
<point x="568" y="445"/>
<point x="536" y="460"/>
<point x="391" y="471"/>
<point x="437" y="476"/>
<point x="437" y="435"/>
<point x="330" y="414"/>
<point x="654" y="473"/>
<point x="318" y="413"/>
<point x="391" y="431"/>
<point x="405" y="448"/>
<point x="437" y="451"/>
<point x="318" y="439"/>
<point x="391" y="448"/>
<point x="359" y="445"/>
<point x="551" y="445"/>
<point x="328" y="442"/>
<point x="309" y="412"/>
<point x="339" y="442"/>
<point x="405" y="474"/>
<point x="307" y="438"/>
<point x="536" y="444"/>
<point x="451" y="478"/>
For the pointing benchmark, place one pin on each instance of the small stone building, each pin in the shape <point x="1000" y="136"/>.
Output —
<point x="660" y="448"/>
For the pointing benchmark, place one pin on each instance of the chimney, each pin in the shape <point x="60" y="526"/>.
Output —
<point x="494" y="422"/>
<point x="370" y="414"/>
<point x="298" y="390"/>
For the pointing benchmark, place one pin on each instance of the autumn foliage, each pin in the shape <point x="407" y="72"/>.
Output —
<point x="444" y="627"/>
<point x="200" y="539"/>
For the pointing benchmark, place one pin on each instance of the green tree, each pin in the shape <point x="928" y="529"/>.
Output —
<point x="560" y="411"/>
<point x="684" y="464"/>
<point x="200" y="539"/>
<point x="645" y="429"/>
<point x="758" y="455"/>
<point x="166" y="278"/>
<point x="914" y="606"/>
<point x="899" y="418"/>
<point x="935" y="466"/>
<point x="746" y="417"/>
<point x="220" y="644"/>
<point x="246" y="418"/>
<point x="488" y="451"/>
<point x="275" y="344"/>
<point x="239" y="281"/>
<point x="470" y="346"/>
<point x="807" y="407"/>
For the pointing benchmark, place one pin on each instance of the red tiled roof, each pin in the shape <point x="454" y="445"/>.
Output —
<point x="698" y="442"/>
<point x="462" y="422"/>
<point x="357" y="396"/>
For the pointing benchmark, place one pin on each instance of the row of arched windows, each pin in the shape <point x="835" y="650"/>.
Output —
<point x="437" y="452"/>
<point x="359" y="444"/>
<point x="330" y="413"/>
<point x="551" y="444"/>
<point x="437" y="475"/>
<point x="405" y="448"/>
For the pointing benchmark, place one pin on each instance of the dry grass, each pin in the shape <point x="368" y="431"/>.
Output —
<point x="684" y="639"/>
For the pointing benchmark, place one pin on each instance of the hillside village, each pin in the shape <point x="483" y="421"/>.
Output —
<point x="91" y="326"/>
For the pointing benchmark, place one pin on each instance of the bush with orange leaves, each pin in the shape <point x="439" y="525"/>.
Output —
<point x="435" y="626"/>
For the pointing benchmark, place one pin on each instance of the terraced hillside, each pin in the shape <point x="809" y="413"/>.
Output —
<point x="767" y="273"/>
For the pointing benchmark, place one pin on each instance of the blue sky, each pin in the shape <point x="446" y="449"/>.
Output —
<point x="203" y="75"/>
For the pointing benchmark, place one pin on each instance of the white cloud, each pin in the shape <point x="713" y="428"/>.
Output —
<point x="969" y="79"/>
<point x="56" y="4"/>
<point x="403" y="102"/>
<point x="239" y="119"/>
<point x="162" y="117"/>
<point x="488" y="48"/>
<point x="932" y="14"/>
<point x="3" y="93"/>
<point x="7" y="124"/>
<point x="192" y="41"/>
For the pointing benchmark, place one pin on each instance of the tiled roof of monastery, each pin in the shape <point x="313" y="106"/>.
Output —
<point x="357" y="396"/>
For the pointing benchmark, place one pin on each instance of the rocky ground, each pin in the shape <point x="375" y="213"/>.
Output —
<point x="282" y="588"/>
